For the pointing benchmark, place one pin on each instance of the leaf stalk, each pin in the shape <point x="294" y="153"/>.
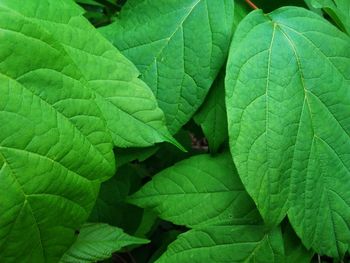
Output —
<point x="251" y="4"/>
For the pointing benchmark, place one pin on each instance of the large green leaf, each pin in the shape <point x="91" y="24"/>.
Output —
<point x="96" y="242"/>
<point x="126" y="102"/>
<point x="211" y="116"/>
<point x="54" y="145"/>
<point x="179" y="47"/>
<point x="205" y="193"/>
<point x="241" y="10"/>
<point x="200" y="190"/>
<point x="288" y="102"/>
<point x="61" y="82"/>
<point x="338" y="10"/>
<point x="226" y="244"/>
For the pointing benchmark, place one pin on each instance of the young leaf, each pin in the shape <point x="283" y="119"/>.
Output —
<point x="338" y="10"/>
<point x="226" y="244"/>
<point x="54" y="145"/>
<point x="179" y="47"/>
<point x="127" y="103"/>
<point x="212" y="115"/>
<point x="288" y="100"/>
<point x="200" y="190"/>
<point x="97" y="242"/>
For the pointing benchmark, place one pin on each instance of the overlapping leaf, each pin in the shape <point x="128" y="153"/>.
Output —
<point x="110" y="205"/>
<point x="97" y="242"/>
<point x="226" y="244"/>
<point x="54" y="145"/>
<point x="127" y="104"/>
<point x="178" y="46"/>
<point x="338" y="10"/>
<point x="294" y="250"/>
<point x="61" y="82"/>
<point x="205" y="193"/>
<point x="200" y="190"/>
<point x="211" y="116"/>
<point x="288" y="102"/>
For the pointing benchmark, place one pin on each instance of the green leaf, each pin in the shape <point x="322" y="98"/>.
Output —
<point x="312" y="8"/>
<point x="180" y="59"/>
<point x="54" y="145"/>
<point x="97" y="242"/>
<point x="241" y="10"/>
<point x="126" y="155"/>
<point x="200" y="190"/>
<point x="163" y="242"/>
<point x="294" y="249"/>
<point x="126" y="102"/>
<point x="288" y="100"/>
<point x="205" y="193"/>
<point x="147" y="224"/>
<point x="226" y="244"/>
<point x="338" y="10"/>
<point x="212" y="115"/>
<point x="110" y="205"/>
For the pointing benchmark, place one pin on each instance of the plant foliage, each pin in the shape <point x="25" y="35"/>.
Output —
<point x="174" y="131"/>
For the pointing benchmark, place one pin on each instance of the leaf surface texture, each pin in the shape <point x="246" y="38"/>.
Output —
<point x="289" y="126"/>
<point x="126" y="102"/>
<point x="97" y="242"/>
<point x="178" y="46"/>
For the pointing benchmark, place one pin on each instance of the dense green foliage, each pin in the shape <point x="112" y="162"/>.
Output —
<point x="174" y="131"/>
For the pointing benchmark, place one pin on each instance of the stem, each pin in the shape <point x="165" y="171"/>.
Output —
<point x="251" y="4"/>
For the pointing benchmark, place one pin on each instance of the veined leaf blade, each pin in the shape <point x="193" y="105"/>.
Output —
<point x="226" y="244"/>
<point x="179" y="48"/>
<point x="126" y="102"/>
<point x="288" y="100"/>
<point x="54" y="145"/>
<point x="97" y="242"/>
<point x="200" y="190"/>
